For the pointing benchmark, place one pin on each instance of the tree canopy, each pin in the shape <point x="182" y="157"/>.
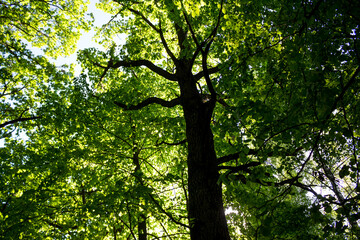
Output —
<point x="223" y="119"/>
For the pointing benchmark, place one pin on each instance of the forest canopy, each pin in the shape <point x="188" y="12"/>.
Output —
<point x="226" y="119"/>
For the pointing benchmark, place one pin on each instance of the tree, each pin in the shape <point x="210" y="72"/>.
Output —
<point x="30" y="87"/>
<point x="263" y="95"/>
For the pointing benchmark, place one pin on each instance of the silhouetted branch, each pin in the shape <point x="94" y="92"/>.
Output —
<point x="171" y="144"/>
<point x="254" y="152"/>
<point x="171" y="217"/>
<point x="146" y="63"/>
<point x="201" y="74"/>
<point x="18" y="120"/>
<point x="59" y="226"/>
<point x="242" y="168"/>
<point x="148" y="101"/>
<point x="233" y="156"/>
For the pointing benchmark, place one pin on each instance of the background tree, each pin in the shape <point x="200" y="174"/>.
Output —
<point x="31" y="88"/>
<point x="303" y="85"/>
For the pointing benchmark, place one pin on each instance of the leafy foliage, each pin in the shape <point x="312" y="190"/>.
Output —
<point x="107" y="155"/>
<point x="27" y="80"/>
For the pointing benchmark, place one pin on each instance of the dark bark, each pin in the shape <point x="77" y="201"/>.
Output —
<point x="142" y="230"/>
<point x="205" y="209"/>
<point x="142" y="227"/>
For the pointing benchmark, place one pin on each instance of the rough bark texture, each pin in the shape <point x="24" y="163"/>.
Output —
<point x="206" y="211"/>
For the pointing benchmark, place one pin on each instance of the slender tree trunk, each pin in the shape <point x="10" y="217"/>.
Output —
<point x="142" y="230"/>
<point x="206" y="211"/>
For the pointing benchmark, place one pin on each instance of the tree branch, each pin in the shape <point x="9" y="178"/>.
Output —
<point x="206" y="71"/>
<point x="243" y="168"/>
<point x="181" y="36"/>
<point x="201" y="74"/>
<point x="59" y="226"/>
<point x="144" y="18"/>
<point x="291" y="182"/>
<point x="171" y="217"/>
<point x="17" y="120"/>
<point x="235" y="156"/>
<point x="151" y="100"/>
<point x="199" y="48"/>
<point x="341" y="95"/>
<point x="171" y="144"/>
<point x="193" y="35"/>
<point x="166" y="46"/>
<point x="158" y="30"/>
<point x="213" y="33"/>
<point x="138" y="63"/>
<point x="205" y="53"/>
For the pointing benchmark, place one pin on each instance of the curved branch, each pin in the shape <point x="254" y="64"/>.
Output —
<point x="243" y="168"/>
<point x="341" y="95"/>
<point x="234" y="156"/>
<point x="213" y="33"/>
<point x="205" y="53"/>
<point x="199" y="48"/>
<point x="17" y="120"/>
<point x="166" y="46"/>
<point x="291" y="182"/>
<point x="138" y="63"/>
<point x="206" y="71"/>
<point x="148" y="101"/>
<point x="169" y="215"/>
<point x="193" y="35"/>
<point x="201" y="74"/>
<point x="171" y="144"/>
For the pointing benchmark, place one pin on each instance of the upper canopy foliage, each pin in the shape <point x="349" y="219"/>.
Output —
<point x="28" y="80"/>
<point x="286" y="124"/>
<point x="55" y="25"/>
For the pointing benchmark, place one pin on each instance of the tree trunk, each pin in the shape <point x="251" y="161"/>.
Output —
<point x="142" y="229"/>
<point x="205" y="209"/>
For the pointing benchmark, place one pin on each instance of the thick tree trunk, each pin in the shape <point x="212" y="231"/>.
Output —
<point x="206" y="211"/>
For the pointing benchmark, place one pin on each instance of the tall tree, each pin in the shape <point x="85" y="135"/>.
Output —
<point x="205" y="206"/>
<point x="265" y="59"/>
